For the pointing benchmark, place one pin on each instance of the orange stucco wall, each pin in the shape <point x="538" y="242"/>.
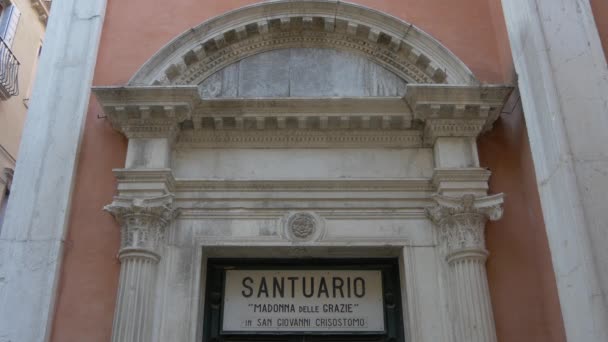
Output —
<point x="520" y="271"/>
<point x="600" y="12"/>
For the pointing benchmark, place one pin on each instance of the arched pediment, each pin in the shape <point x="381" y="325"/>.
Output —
<point x="400" y="47"/>
<point x="427" y="92"/>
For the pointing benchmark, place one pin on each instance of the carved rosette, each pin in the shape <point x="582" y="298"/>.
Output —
<point x="461" y="222"/>
<point x="143" y="223"/>
<point x="302" y="225"/>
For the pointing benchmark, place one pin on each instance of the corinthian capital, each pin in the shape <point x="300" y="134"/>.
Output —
<point x="143" y="222"/>
<point x="461" y="221"/>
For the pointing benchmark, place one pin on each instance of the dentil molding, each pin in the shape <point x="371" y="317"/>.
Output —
<point x="423" y="114"/>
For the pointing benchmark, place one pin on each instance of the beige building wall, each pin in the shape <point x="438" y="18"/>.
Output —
<point x="28" y="39"/>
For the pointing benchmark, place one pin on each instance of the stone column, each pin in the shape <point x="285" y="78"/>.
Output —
<point x="563" y="81"/>
<point x="461" y="222"/>
<point x="143" y="223"/>
<point x="35" y="225"/>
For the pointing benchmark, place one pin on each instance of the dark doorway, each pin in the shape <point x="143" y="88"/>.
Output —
<point x="391" y="292"/>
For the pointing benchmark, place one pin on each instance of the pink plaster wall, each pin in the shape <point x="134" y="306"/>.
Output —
<point x="520" y="272"/>
<point x="600" y="12"/>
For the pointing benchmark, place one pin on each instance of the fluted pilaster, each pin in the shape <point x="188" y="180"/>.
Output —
<point x="461" y="222"/>
<point x="143" y="223"/>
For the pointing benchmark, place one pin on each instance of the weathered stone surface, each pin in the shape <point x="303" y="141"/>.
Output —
<point x="302" y="163"/>
<point x="562" y="72"/>
<point x="303" y="72"/>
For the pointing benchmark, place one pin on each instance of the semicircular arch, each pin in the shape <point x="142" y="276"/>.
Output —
<point x="392" y="43"/>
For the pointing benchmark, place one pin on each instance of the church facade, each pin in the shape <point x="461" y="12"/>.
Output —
<point x="313" y="171"/>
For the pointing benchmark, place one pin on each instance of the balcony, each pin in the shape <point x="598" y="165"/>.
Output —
<point x="9" y="72"/>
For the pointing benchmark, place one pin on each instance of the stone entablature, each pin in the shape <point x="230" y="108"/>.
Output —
<point x="196" y="196"/>
<point x="425" y="113"/>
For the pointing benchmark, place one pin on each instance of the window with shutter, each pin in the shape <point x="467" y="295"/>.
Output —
<point x="8" y="23"/>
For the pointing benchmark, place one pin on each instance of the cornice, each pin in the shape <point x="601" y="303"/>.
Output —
<point x="461" y="180"/>
<point x="428" y="110"/>
<point x="147" y="112"/>
<point x="456" y="111"/>
<point x="322" y="106"/>
<point x="145" y="180"/>
<point x="113" y="96"/>
<point x="214" y="194"/>
<point x="153" y="176"/>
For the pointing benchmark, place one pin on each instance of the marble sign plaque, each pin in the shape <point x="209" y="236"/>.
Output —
<point x="285" y="301"/>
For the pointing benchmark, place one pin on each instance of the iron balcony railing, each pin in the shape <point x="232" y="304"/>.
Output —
<point x="9" y="72"/>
